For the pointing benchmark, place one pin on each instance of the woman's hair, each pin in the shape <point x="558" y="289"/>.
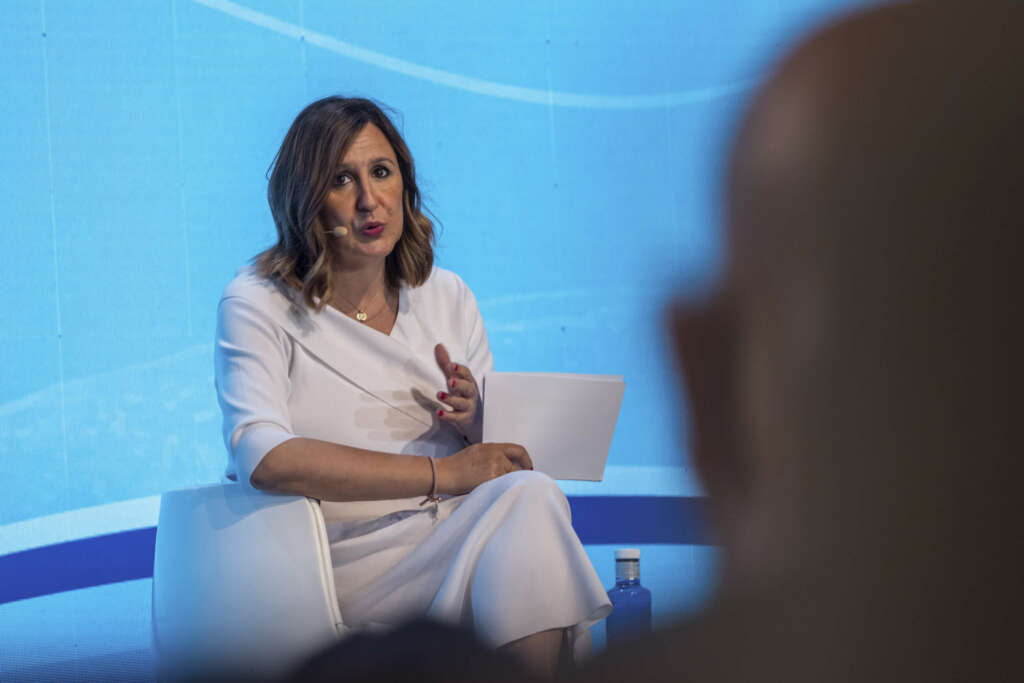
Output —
<point x="300" y="178"/>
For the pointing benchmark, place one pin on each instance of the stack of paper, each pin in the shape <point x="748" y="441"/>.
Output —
<point x="564" y="421"/>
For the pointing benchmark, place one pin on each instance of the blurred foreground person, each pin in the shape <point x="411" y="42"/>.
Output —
<point x="850" y="383"/>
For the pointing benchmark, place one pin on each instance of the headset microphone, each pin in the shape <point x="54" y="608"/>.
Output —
<point x="340" y="231"/>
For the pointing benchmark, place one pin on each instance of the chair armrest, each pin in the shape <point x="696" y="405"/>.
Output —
<point x="242" y="581"/>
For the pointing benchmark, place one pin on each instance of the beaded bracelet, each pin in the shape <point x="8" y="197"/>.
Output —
<point x="432" y="497"/>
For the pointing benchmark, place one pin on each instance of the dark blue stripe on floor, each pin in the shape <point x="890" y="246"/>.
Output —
<point x="638" y="520"/>
<point x="85" y="562"/>
<point x="128" y="555"/>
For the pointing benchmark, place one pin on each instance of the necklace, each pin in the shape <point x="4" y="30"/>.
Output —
<point x="360" y="314"/>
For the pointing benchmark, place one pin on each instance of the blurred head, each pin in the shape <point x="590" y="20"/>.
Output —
<point x="303" y="178"/>
<point x="850" y="381"/>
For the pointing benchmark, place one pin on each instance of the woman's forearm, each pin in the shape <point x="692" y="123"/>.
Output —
<point x="330" y="471"/>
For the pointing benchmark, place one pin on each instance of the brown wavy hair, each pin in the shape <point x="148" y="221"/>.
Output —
<point x="299" y="180"/>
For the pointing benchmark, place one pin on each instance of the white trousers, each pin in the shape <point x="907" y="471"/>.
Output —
<point x="503" y="560"/>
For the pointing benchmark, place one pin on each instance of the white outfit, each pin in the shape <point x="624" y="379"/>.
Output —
<point x="502" y="559"/>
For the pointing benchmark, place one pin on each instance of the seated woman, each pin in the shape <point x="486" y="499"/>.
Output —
<point x="346" y="369"/>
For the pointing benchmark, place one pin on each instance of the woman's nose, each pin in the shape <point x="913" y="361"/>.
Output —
<point x="367" y="200"/>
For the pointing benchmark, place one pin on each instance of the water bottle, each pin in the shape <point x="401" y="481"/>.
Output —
<point x="631" y="602"/>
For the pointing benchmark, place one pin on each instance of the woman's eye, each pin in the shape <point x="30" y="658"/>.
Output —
<point x="381" y="172"/>
<point x="342" y="179"/>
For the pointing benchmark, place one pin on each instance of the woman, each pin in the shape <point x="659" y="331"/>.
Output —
<point x="347" y="370"/>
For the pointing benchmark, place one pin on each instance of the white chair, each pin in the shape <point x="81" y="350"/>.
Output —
<point x="242" y="583"/>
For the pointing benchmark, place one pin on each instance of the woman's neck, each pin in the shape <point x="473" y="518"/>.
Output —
<point x="361" y="284"/>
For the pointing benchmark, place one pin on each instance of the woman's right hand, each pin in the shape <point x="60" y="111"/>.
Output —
<point x="464" y="471"/>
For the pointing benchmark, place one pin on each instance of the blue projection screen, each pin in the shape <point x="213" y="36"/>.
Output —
<point x="572" y="152"/>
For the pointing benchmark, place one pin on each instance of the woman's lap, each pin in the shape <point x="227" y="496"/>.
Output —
<point x="503" y="559"/>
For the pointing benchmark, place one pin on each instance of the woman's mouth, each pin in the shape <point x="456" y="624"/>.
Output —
<point x="372" y="229"/>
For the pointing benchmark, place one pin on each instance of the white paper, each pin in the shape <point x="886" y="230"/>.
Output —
<point x="564" y="421"/>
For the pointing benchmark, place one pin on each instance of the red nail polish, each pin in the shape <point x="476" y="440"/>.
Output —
<point x="453" y="384"/>
<point x="455" y="367"/>
<point x="441" y="395"/>
<point x="440" y="413"/>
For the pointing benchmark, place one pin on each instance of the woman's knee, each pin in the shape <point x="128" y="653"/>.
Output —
<point x="530" y="478"/>
<point x="528" y="485"/>
<point x="535" y="484"/>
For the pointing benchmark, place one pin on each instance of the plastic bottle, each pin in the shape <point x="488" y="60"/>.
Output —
<point x="631" y="602"/>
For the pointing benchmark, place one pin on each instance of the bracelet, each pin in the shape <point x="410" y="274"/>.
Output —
<point x="432" y="497"/>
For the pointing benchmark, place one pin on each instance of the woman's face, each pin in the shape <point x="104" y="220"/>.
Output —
<point x="366" y="198"/>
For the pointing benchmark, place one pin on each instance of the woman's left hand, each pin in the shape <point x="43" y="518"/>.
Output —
<point x="460" y="392"/>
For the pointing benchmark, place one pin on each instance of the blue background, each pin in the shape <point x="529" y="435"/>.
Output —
<point x="572" y="151"/>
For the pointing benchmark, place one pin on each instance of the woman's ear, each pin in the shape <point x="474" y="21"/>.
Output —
<point x="705" y="344"/>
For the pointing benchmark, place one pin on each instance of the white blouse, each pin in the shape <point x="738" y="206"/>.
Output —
<point x="283" y="370"/>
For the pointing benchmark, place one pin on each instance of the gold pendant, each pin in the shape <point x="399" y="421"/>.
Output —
<point x="360" y="316"/>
